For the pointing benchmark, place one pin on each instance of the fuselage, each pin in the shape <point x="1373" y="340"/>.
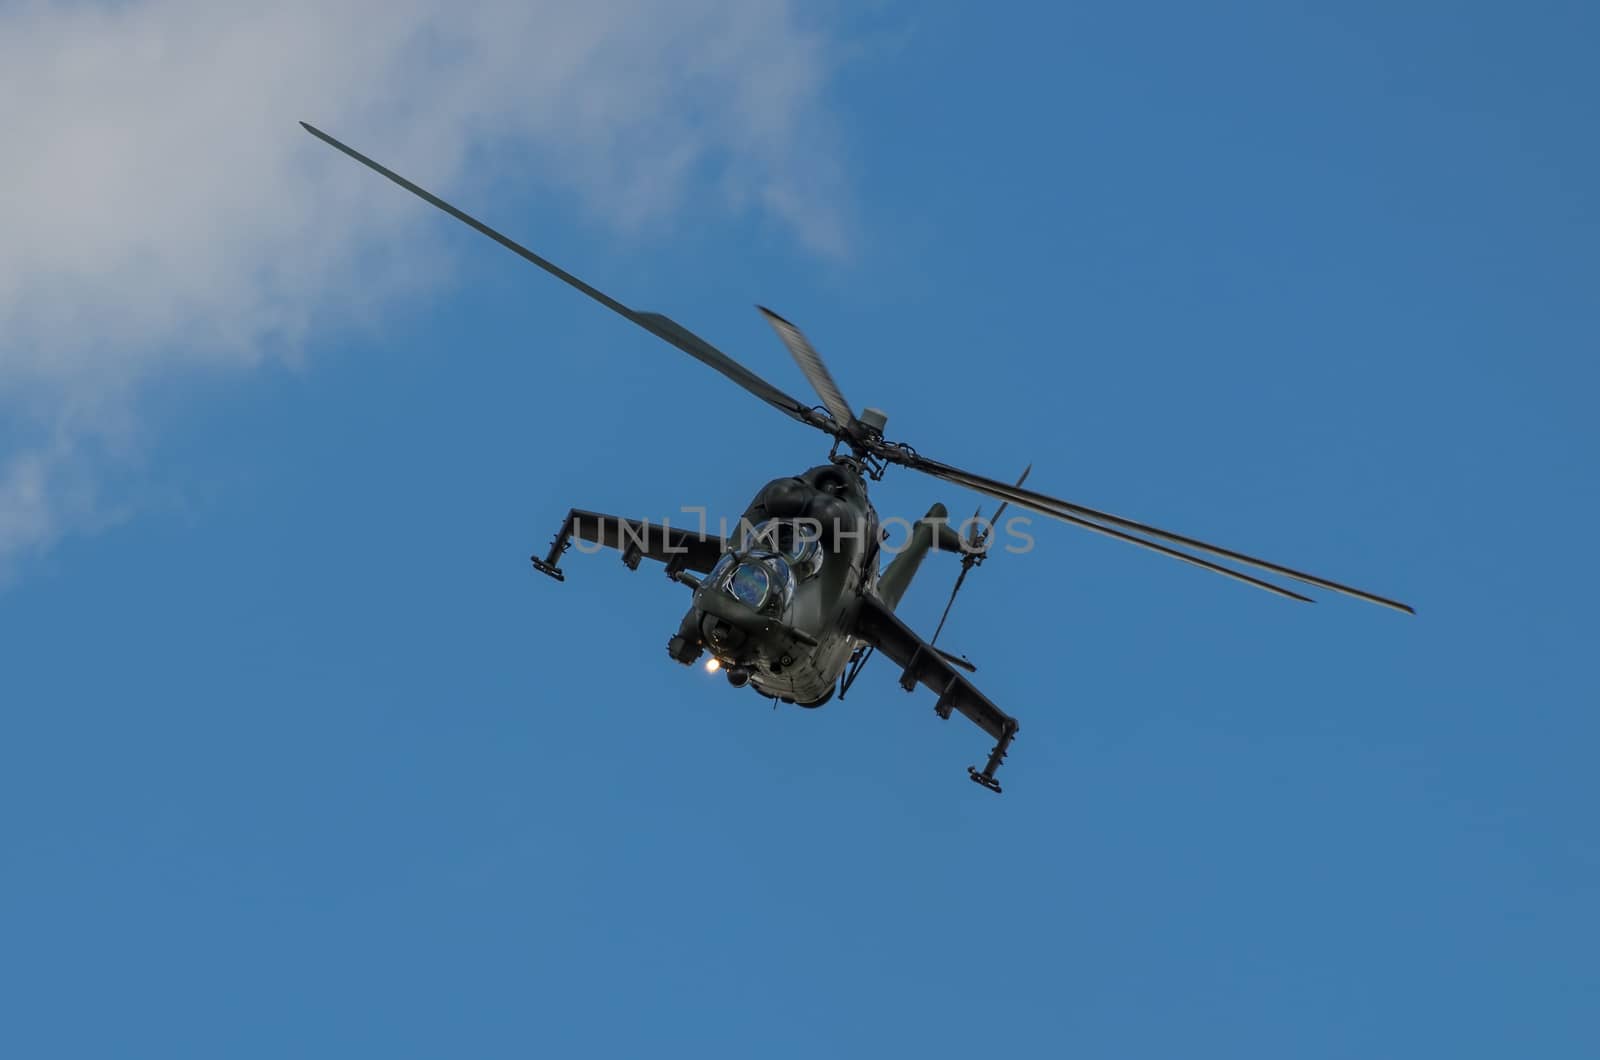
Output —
<point x="806" y="548"/>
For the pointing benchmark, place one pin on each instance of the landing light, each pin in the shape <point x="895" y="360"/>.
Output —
<point x="713" y="665"/>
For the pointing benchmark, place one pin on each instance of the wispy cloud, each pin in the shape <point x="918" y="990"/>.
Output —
<point x="162" y="212"/>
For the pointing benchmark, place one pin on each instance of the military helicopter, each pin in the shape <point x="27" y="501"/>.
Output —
<point x="795" y="603"/>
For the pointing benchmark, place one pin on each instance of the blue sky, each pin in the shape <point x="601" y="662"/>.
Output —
<point x="300" y="758"/>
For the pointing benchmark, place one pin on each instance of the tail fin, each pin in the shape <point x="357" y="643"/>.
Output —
<point x="896" y="578"/>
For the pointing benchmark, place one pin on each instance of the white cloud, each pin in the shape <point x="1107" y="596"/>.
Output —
<point x="163" y="211"/>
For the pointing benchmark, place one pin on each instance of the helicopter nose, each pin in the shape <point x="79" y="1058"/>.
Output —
<point x="724" y="637"/>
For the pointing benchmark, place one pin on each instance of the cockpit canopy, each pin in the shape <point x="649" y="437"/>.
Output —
<point x="763" y="573"/>
<point x="760" y="579"/>
<point x="797" y="541"/>
<point x="771" y="559"/>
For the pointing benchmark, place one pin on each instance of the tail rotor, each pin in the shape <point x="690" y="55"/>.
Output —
<point x="975" y="548"/>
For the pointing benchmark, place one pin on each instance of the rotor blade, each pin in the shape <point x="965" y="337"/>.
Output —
<point x="947" y="604"/>
<point x="1082" y="516"/>
<point x="975" y="542"/>
<point x="1001" y="492"/>
<point x="816" y="371"/>
<point x="994" y="520"/>
<point x="658" y="325"/>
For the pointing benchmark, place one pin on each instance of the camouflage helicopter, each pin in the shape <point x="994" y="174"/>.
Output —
<point x="795" y="603"/>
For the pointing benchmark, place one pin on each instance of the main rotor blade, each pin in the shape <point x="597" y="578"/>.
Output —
<point x="810" y="362"/>
<point x="1002" y="492"/>
<point x="1093" y="519"/>
<point x="662" y="327"/>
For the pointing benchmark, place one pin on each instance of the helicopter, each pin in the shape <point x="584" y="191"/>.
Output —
<point x="795" y="603"/>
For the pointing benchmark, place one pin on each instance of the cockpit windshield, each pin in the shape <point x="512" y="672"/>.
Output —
<point x="759" y="578"/>
<point x="797" y="541"/>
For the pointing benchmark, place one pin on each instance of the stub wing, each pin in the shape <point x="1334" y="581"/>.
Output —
<point x="921" y="663"/>
<point x="680" y="548"/>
